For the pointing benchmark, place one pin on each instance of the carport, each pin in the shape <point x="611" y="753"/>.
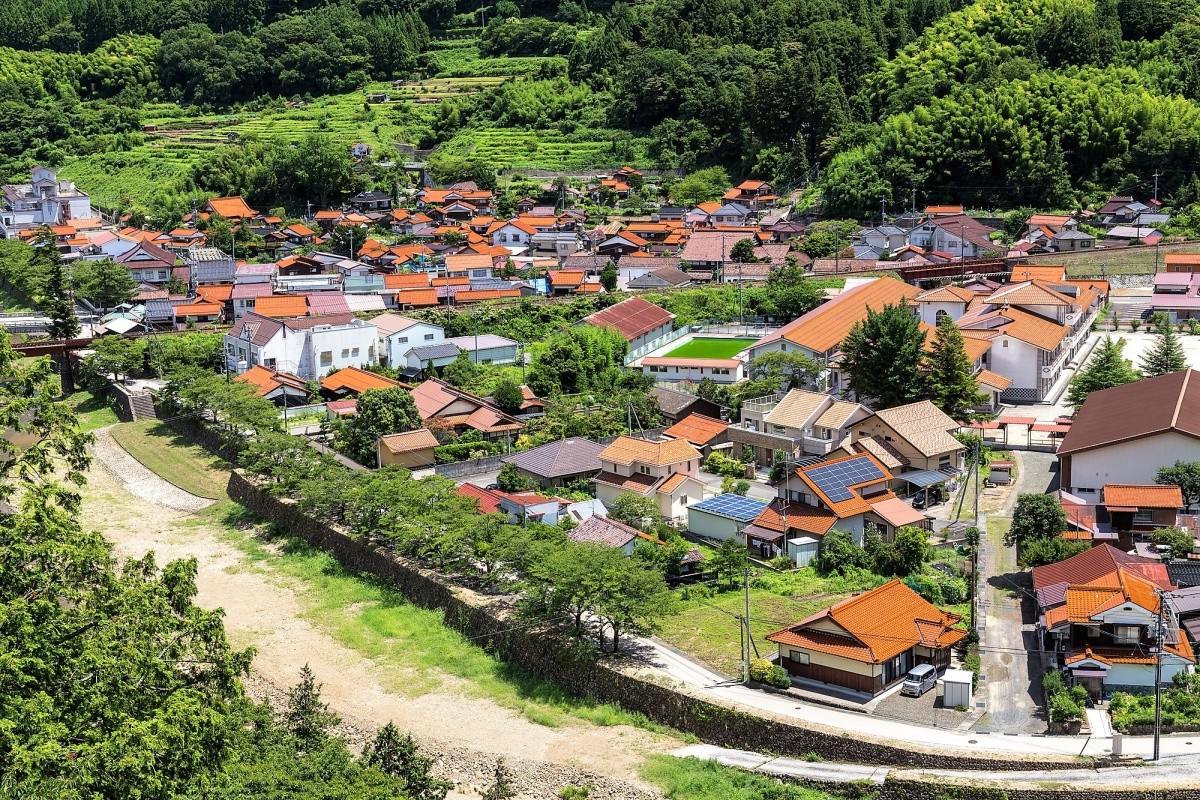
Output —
<point x="924" y="480"/>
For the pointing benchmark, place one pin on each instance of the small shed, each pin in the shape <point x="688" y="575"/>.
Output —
<point x="724" y="516"/>
<point x="1000" y="472"/>
<point x="957" y="689"/>
<point x="804" y="549"/>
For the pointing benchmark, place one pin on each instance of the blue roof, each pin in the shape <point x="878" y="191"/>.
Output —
<point x="743" y="509"/>
<point x="836" y="478"/>
<point x="924" y="478"/>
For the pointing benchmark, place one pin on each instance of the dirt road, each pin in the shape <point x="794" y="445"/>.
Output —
<point x="264" y="609"/>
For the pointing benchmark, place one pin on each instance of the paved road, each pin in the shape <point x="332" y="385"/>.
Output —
<point x="1171" y="771"/>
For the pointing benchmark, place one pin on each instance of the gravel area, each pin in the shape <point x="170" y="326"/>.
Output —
<point x="267" y="610"/>
<point x="140" y="481"/>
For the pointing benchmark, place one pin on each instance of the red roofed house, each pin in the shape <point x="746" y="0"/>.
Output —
<point x="703" y="433"/>
<point x="869" y="642"/>
<point x="642" y="324"/>
<point x="233" y="208"/>
<point x="755" y="195"/>
<point x="411" y="449"/>
<point x="1097" y="611"/>
<point x="279" y="387"/>
<point x="441" y="405"/>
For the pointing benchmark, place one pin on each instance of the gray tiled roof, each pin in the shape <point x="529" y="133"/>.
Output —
<point x="559" y="459"/>
<point x="602" y="530"/>
<point x="429" y="352"/>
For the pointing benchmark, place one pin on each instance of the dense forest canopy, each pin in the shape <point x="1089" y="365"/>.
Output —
<point x="992" y="103"/>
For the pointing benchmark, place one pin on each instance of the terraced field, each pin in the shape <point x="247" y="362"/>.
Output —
<point x="548" y="149"/>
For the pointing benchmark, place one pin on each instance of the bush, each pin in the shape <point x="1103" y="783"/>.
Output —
<point x="1052" y="682"/>
<point x="723" y="466"/>
<point x="763" y="671"/>
<point x="1063" y="708"/>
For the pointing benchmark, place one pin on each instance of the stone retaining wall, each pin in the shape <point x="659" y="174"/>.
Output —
<point x="907" y="789"/>
<point x="548" y="655"/>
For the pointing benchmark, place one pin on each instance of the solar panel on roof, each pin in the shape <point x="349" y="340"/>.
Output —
<point x="834" y="479"/>
<point x="732" y="505"/>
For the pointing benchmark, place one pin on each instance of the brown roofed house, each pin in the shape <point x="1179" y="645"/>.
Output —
<point x="664" y="470"/>
<point x="554" y="463"/>
<point x="640" y="322"/>
<point x="411" y="449"/>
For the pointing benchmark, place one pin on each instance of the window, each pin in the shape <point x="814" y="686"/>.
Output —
<point x="1143" y="517"/>
<point x="249" y="303"/>
<point x="943" y="462"/>
<point x="428" y="337"/>
<point x="269" y="363"/>
<point x="1087" y="489"/>
<point x="940" y="314"/>
<point x="1127" y="634"/>
<point x="326" y="358"/>
<point x="1005" y="343"/>
<point x="345" y="352"/>
<point x="403" y="339"/>
<point x="354" y="353"/>
<point x="683" y="498"/>
<point x="798" y="657"/>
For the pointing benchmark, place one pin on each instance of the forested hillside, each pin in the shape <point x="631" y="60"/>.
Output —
<point x="995" y="103"/>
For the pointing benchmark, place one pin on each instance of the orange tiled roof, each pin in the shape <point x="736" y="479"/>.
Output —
<point x="1049" y="273"/>
<point x="281" y="305"/>
<point x="878" y="625"/>
<point x="1029" y="293"/>
<point x="800" y="517"/>
<point x="672" y="483"/>
<point x="267" y="380"/>
<point x="566" y="278"/>
<point x="197" y="309"/>
<point x="353" y="379"/>
<point x="477" y="295"/>
<point x="589" y="288"/>
<point x="946" y="294"/>
<point x="1142" y="496"/>
<point x="627" y="450"/>
<point x="459" y="280"/>
<point x="826" y="326"/>
<point x="215" y="294"/>
<point x="991" y="379"/>
<point x="417" y="297"/>
<point x="697" y="429"/>
<point x="406" y="280"/>
<point x="231" y="207"/>
<point x="639" y="484"/>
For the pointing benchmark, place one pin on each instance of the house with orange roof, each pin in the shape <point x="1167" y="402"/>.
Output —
<point x="472" y="265"/>
<point x="281" y="388"/>
<point x="1097" y="613"/>
<point x="410" y="449"/>
<point x="234" y="209"/>
<point x="703" y="433"/>
<point x="819" y="333"/>
<point x="755" y="195"/>
<point x="620" y="244"/>
<point x="665" y="471"/>
<point x="514" y="234"/>
<point x="869" y="642"/>
<point x="1123" y="513"/>
<point x="352" y="381"/>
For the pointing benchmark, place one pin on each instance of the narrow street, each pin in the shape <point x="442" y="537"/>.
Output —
<point x="1010" y="681"/>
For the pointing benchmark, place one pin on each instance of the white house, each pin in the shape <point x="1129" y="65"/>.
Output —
<point x="45" y="200"/>
<point x="105" y="245"/>
<point x="515" y="234"/>
<point x="724" y="516"/>
<point x="640" y="322"/>
<point x="487" y="348"/>
<point x="1124" y="434"/>
<point x="673" y="369"/>
<point x="308" y="347"/>
<point x="398" y="335"/>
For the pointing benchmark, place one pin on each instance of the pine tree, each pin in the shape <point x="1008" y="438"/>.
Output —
<point x="307" y="716"/>
<point x="57" y="303"/>
<point x="1107" y="368"/>
<point x="397" y="755"/>
<point x="1166" y="354"/>
<point x="501" y="788"/>
<point x="882" y="356"/>
<point x="953" y="386"/>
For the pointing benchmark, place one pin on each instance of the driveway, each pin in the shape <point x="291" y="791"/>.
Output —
<point x="1011" y="683"/>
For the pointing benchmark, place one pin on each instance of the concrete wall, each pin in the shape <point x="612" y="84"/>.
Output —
<point x="545" y="654"/>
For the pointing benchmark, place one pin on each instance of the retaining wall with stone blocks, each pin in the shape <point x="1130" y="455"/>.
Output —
<point x="548" y="655"/>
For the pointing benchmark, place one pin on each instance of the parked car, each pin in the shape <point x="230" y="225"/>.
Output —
<point x="919" y="680"/>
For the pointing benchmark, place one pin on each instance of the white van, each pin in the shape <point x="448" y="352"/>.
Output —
<point x="919" y="680"/>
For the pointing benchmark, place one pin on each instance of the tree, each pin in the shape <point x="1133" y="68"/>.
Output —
<point x="1180" y="540"/>
<point x="882" y="356"/>
<point x="839" y="554"/>
<point x="730" y="560"/>
<point x="1106" y="369"/>
<point x="46" y="441"/>
<point x="632" y="595"/>
<point x="790" y="293"/>
<point x="511" y="479"/>
<point x="115" y="356"/>
<point x="700" y="186"/>
<point x="393" y="754"/>
<point x="1185" y="475"/>
<point x="501" y="788"/>
<point x="1037" y="516"/>
<point x="462" y="371"/>
<point x="735" y="486"/>
<point x="508" y="396"/>
<point x="306" y="716"/>
<point x="345" y="240"/>
<point x="742" y="252"/>
<point x="57" y="303"/>
<point x="1039" y="552"/>
<point x="951" y="380"/>
<point x="634" y="509"/>
<point x="379" y="412"/>
<point x="608" y="276"/>
<point x="791" y="370"/>
<point x="105" y="283"/>
<point x="1165" y="354"/>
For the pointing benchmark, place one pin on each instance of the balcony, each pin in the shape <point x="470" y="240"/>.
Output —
<point x="762" y="405"/>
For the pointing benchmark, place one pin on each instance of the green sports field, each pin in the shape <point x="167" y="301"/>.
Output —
<point x="705" y="347"/>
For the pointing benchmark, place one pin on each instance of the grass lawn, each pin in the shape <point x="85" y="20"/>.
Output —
<point x="706" y="627"/>
<point x="706" y="347"/>
<point x="692" y="779"/>
<point x="173" y="457"/>
<point x="377" y="621"/>
<point x="93" y="412"/>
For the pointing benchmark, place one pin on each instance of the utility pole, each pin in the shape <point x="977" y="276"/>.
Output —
<point x="883" y="211"/>
<point x="1160" y="638"/>
<point x="914" y="203"/>
<point x="1157" y="174"/>
<point x="749" y="643"/>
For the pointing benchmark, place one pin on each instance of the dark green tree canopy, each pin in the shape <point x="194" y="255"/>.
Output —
<point x="1106" y="368"/>
<point x="882" y="357"/>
